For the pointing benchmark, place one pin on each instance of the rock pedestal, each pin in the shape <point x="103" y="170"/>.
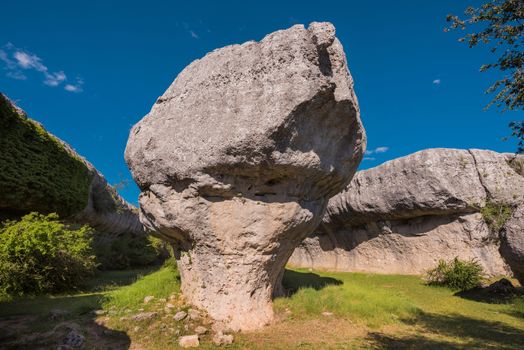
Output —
<point x="236" y="162"/>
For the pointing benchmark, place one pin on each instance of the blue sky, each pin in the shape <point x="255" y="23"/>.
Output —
<point x="89" y="70"/>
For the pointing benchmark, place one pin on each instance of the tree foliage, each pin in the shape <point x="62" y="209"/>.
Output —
<point x="499" y="24"/>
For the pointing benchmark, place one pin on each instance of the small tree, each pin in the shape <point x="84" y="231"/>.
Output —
<point x="500" y="25"/>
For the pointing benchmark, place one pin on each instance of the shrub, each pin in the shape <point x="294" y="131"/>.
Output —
<point x="128" y="250"/>
<point x="39" y="254"/>
<point x="456" y="274"/>
<point x="495" y="215"/>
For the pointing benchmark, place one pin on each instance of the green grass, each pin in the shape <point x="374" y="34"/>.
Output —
<point x="370" y="311"/>
<point x="90" y="298"/>
<point x="363" y="298"/>
<point x="160" y="284"/>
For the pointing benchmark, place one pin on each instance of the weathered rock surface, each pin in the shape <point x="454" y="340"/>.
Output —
<point x="237" y="159"/>
<point x="405" y="215"/>
<point x="39" y="172"/>
<point x="512" y="243"/>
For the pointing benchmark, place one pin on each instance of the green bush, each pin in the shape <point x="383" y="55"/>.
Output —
<point x="39" y="254"/>
<point x="495" y="215"/>
<point x="128" y="250"/>
<point x="456" y="274"/>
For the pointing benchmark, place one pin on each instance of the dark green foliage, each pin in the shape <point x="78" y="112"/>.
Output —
<point x="39" y="254"/>
<point x="37" y="173"/>
<point x="457" y="274"/>
<point x="499" y="24"/>
<point x="496" y="215"/>
<point x="128" y="250"/>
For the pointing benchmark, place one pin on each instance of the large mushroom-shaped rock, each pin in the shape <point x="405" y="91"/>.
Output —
<point x="236" y="162"/>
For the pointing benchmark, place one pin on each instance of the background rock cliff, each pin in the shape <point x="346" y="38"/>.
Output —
<point x="406" y="214"/>
<point x="39" y="172"/>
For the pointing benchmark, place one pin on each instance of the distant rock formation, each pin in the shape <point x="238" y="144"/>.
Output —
<point x="236" y="162"/>
<point x="39" y="172"/>
<point x="406" y="214"/>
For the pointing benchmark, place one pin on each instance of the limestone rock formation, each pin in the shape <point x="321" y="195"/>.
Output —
<point x="236" y="162"/>
<point x="406" y="214"/>
<point x="39" y="172"/>
<point x="512" y="245"/>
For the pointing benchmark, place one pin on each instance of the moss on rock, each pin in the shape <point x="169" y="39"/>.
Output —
<point x="37" y="171"/>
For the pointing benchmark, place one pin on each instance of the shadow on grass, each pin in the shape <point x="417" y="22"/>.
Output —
<point x="484" y="295"/>
<point x="465" y="333"/>
<point x="76" y="303"/>
<point x="46" y="321"/>
<point x="295" y="280"/>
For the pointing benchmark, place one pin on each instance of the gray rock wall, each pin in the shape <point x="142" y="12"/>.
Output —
<point x="406" y="214"/>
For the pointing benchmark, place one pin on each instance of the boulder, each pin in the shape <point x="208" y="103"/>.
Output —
<point x="512" y="243"/>
<point x="39" y="172"/>
<point x="406" y="214"/>
<point x="236" y="162"/>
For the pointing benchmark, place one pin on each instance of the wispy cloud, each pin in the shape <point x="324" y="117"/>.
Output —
<point x="369" y="158"/>
<point x="193" y="34"/>
<point x="381" y="149"/>
<point x="17" y="61"/>
<point x="76" y="87"/>
<point x="436" y="82"/>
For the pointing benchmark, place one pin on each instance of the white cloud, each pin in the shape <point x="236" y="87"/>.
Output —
<point x="54" y="79"/>
<point x="10" y="66"/>
<point x="381" y="149"/>
<point x="369" y="158"/>
<point x="77" y="87"/>
<point x="436" y="82"/>
<point x="29" y="61"/>
<point x="17" y="60"/>
<point x="193" y="34"/>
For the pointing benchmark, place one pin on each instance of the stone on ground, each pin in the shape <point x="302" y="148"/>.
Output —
<point x="189" y="341"/>
<point x="180" y="315"/>
<point x="222" y="339"/>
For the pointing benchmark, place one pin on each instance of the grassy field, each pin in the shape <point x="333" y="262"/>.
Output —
<point x="322" y="311"/>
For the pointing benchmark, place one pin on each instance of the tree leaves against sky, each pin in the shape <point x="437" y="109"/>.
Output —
<point x="499" y="24"/>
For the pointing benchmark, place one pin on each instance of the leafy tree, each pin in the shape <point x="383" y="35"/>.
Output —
<point x="500" y="25"/>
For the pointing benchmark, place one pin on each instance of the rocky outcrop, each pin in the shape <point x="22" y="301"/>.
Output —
<point x="512" y="243"/>
<point x="406" y="214"/>
<point x="39" y="172"/>
<point x="236" y="162"/>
